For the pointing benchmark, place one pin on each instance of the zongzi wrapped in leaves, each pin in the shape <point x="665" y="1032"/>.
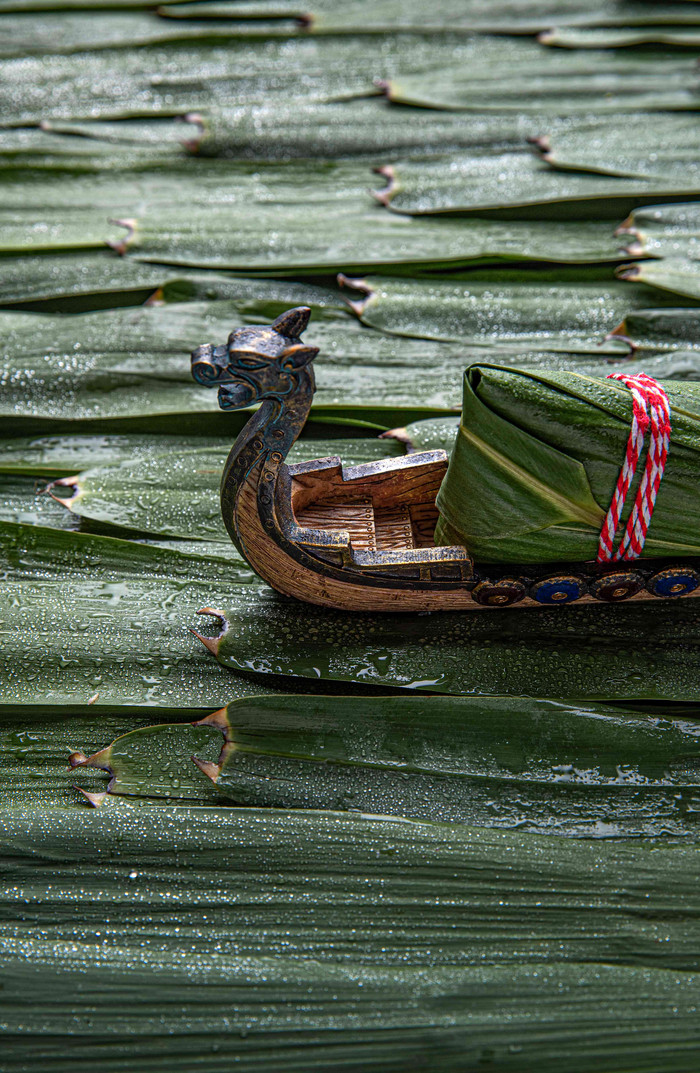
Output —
<point x="536" y="461"/>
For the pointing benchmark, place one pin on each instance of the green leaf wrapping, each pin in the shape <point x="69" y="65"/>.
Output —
<point x="536" y="461"/>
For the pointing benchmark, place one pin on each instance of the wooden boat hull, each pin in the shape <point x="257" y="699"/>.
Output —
<point x="297" y="571"/>
<point x="361" y="538"/>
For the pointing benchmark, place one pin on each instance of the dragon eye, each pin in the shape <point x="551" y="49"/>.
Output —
<point x="248" y="362"/>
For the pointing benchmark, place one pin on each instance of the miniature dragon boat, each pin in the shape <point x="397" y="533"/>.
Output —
<point x="362" y="538"/>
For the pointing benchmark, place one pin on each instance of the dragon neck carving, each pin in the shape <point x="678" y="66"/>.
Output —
<point x="269" y="366"/>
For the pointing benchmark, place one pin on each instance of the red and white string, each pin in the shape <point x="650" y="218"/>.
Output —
<point x="651" y="413"/>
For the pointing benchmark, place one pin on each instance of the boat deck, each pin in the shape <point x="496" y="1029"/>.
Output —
<point x="383" y="506"/>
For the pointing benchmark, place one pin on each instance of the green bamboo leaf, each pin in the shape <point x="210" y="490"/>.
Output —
<point x="480" y="182"/>
<point x="619" y="653"/>
<point x="548" y="448"/>
<point x="64" y="226"/>
<point x="678" y="37"/>
<point x="663" y="153"/>
<point x="507" y="16"/>
<point x="64" y="456"/>
<point x="156" y="762"/>
<point x="646" y="327"/>
<point x="274" y="130"/>
<point x="75" y="5"/>
<point x="519" y="763"/>
<point x="171" y="80"/>
<point x="679" y="275"/>
<point x="434" y="433"/>
<point x="520" y="76"/>
<point x="125" y="369"/>
<point x="176" y="494"/>
<point x="454" y="16"/>
<point x="667" y="231"/>
<point x="35" y="749"/>
<point x="299" y="217"/>
<point x="22" y="500"/>
<point x="547" y="311"/>
<point x="675" y="330"/>
<point x="90" y="277"/>
<point x="56" y="33"/>
<point x="95" y="621"/>
<point x="309" y="939"/>
<point x="69" y="148"/>
<point x="129" y="370"/>
<point x="290" y="219"/>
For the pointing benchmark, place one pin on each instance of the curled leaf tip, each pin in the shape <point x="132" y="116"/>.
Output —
<point x="123" y="244"/>
<point x="100" y="760"/>
<point x="542" y="144"/>
<point x="212" y="643"/>
<point x="94" y="800"/>
<point x="620" y="333"/>
<point x="359" y="305"/>
<point x="211" y="770"/>
<point x="620" y="330"/>
<point x="77" y="759"/>
<point x="192" y="145"/>
<point x="218" y="719"/>
<point x="63" y="482"/>
<point x="626" y="227"/>
<point x="400" y="434"/>
<point x="385" y="195"/>
<point x="627" y="271"/>
<point x="156" y="299"/>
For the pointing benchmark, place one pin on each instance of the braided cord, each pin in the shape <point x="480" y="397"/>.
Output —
<point x="651" y="413"/>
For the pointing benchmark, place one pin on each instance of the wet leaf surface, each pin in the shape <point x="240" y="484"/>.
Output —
<point x="512" y="763"/>
<point x="35" y="747"/>
<point x="91" y="620"/>
<point x="573" y="37"/>
<point x="547" y="311"/>
<point x="618" y="653"/>
<point x="299" y="217"/>
<point x="132" y="365"/>
<point x="650" y="148"/>
<point x="508" y="16"/>
<point x="482" y="182"/>
<point x="444" y="938"/>
<point x="147" y="934"/>
<point x="521" y="75"/>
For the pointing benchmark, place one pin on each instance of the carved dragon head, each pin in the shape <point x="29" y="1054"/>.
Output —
<point x="257" y="363"/>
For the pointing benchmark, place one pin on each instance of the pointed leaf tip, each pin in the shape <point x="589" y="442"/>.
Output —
<point x="212" y="771"/>
<point x="358" y="307"/>
<point x="218" y="719"/>
<point x="212" y="643"/>
<point x="94" y="800"/>
<point x="385" y="195"/>
<point x="123" y="244"/>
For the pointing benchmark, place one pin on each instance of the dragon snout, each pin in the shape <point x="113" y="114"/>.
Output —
<point x="236" y="396"/>
<point x="209" y="364"/>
